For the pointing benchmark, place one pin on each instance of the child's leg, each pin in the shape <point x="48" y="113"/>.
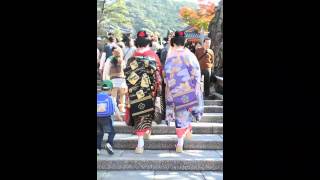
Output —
<point x="110" y="130"/>
<point x="100" y="133"/>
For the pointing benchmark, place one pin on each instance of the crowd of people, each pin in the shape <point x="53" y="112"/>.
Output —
<point x="150" y="81"/>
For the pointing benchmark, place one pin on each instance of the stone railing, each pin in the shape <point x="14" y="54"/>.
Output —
<point x="219" y="87"/>
<point x="220" y="81"/>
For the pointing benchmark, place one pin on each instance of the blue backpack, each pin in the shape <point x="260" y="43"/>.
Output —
<point x="105" y="106"/>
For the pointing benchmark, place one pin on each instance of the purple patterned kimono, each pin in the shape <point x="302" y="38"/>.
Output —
<point x="182" y="75"/>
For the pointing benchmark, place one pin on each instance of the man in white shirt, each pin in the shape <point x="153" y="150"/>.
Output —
<point x="128" y="50"/>
<point x="107" y="52"/>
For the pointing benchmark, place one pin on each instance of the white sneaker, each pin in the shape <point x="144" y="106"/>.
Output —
<point x="98" y="152"/>
<point x="108" y="147"/>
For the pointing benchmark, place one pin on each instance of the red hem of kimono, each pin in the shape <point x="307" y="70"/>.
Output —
<point x="141" y="132"/>
<point x="182" y="131"/>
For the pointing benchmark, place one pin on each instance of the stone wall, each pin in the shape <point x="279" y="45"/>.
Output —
<point x="216" y="34"/>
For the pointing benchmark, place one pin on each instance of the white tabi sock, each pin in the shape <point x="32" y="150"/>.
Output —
<point x="140" y="141"/>
<point x="180" y="142"/>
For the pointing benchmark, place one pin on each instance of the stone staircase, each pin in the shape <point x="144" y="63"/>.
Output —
<point x="204" y="153"/>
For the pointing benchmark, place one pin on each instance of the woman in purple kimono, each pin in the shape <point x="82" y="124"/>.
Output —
<point x="184" y="99"/>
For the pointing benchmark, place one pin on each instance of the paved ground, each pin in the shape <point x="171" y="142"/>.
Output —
<point x="161" y="160"/>
<point x="159" y="175"/>
<point x="162" y="154"/>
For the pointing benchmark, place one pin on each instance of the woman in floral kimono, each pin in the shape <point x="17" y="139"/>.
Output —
<point x="184" y="100"/>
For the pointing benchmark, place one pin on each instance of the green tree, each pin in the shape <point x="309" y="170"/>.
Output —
<point x="114" y="16"/>
<point x="157" y="15"/>
<point x="151" y="15"/>
<point x="118" y="34"/>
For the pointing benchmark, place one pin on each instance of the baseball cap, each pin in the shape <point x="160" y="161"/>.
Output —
<point x="107" y="85"/>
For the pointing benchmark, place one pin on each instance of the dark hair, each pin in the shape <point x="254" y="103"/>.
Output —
<point x="124" y="37"/>
<point x="112" y="39"/>
<point x="126" y="40"/>
<point x="179" y="41"/>
<point x="142" y="42"/>
<point x="131" y="59"/>
<point x="178" y="38"/>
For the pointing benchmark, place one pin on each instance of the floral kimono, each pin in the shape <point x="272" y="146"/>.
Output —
<point x="182" y="78"/>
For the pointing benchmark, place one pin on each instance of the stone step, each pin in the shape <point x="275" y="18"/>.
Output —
<point x="212" y="117"/>
<point x="161" y="160"/>
<point x="158" y="175"/>
<point x="213" y="109"/>
<point x="168" y="142"/>
<point x="213" y="102"/>
<point x="197" y="128"/>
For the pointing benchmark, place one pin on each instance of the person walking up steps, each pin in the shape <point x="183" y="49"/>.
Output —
<point x="205" y="57"/>
<point x="129" y="49"/>
<point x="143" y="43"/>
<point x="106" y="110"/>
<point x="113" y="70"/>
<point x="184" y="99"/>
<point x="107" y="53"/>
<point x="143" y="80"/>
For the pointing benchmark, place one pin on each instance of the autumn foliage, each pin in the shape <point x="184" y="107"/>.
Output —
<point x="201" y="17"/>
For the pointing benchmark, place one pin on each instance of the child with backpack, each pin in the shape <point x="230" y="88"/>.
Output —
<point x="106" y="111"/>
